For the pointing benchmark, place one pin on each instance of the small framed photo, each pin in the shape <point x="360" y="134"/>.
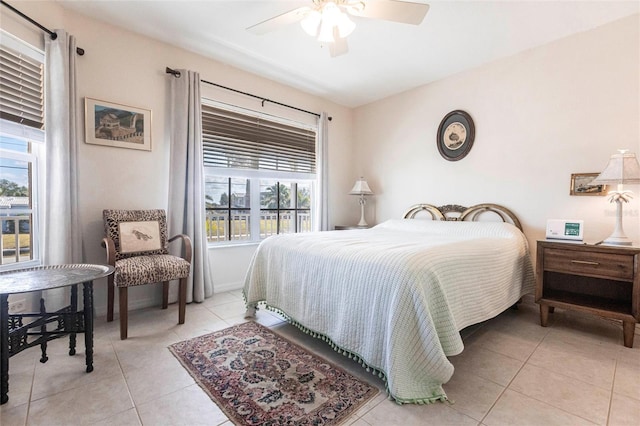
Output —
<point x="581" y="185"/>
<point x="122" y="126"/>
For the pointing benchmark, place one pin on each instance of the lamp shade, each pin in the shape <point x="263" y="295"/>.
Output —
<point x="311" y="23"/>
<point x="345" y="25"/>
<point x="361" y="188"/>
<point x="622" y="168"/>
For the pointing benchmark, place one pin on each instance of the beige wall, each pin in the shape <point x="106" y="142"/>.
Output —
<point x="123" y="67"/>
<point x="540" y="116"/>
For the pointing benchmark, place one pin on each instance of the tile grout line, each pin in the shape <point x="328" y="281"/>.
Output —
<point x="513" y="378"/>
<point x="553" y="406"/>
<point x="544" y="402"/>
<point x="33" y="379"/>
<point x="126" y="382"/>
<point x="613" y="385"/>
<point x="580" y="380"/>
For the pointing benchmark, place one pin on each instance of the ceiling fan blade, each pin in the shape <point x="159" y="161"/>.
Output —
<point x="279" y="21"/>
<point x="391" y="10"/>
<point x="339" y="46"/>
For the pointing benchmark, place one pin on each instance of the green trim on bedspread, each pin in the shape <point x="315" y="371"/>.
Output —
<point x="376" y="371"/>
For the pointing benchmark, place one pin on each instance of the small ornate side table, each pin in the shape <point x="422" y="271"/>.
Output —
<point x="16" y="335"/>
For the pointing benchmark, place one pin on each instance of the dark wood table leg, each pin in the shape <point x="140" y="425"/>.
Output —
<point x="43" y="332"/>
<point x="87" y="293"/>
<point x="4" y="345"/>
<point x="73" y="319"/>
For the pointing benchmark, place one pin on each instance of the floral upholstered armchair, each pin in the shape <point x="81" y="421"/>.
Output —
<point x="137" y="246"/>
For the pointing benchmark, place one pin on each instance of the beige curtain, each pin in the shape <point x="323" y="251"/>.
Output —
<point x="62" y="233"/>
<point x="186" y="211"/>
<point x="322" y="172"/>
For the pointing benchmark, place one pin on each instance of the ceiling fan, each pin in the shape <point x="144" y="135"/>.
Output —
<point x="329" y="22"/>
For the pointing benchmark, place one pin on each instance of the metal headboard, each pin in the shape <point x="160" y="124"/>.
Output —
<point x="455" y="212"/>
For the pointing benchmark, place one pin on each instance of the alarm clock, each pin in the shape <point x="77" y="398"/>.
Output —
<point x="564" y="229"/>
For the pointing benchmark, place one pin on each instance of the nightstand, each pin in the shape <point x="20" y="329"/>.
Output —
<point x="597" y="279"/>
<point x="344" y="227"/>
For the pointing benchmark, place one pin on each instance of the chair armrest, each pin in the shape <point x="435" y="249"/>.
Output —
<point x="186" y="242"/>
<point x="111" y="250"/>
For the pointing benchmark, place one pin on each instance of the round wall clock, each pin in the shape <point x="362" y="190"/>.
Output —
<point x="455" y="135"/>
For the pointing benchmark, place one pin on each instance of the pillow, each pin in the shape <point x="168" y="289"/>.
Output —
<point x="140" y="236"/>
<point x="452" y="228"/>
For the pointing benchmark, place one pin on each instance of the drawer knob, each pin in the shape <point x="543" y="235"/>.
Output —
<point x="585" y="262"/>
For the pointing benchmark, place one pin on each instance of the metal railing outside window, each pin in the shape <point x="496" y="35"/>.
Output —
<point x="16" y="238"/>
<point x="218" y="228"/>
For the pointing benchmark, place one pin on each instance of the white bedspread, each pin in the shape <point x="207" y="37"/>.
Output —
<point x="395" y="295"/>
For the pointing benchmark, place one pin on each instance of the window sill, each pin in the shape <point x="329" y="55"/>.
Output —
<point x="216" y="246"/>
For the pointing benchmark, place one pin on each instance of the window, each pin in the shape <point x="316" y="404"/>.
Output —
<point x="260" y="174"/>
<point x="21" y="150"/>
<point x="288" y="204"/>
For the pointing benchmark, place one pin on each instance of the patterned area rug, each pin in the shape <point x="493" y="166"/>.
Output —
<point x="260" y="378"/>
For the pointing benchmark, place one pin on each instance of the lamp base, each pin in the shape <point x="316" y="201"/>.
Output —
<point x="618" y="237"/>
<point x="363" y="223"/>
<point x="618" y="241"/>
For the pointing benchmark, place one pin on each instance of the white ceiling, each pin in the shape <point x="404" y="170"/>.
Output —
<point x="384" y="57"/>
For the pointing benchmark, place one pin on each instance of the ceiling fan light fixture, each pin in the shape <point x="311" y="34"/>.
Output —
<point x="331" y="13"/>
<point x="325" y="35"/>
<point x="311" y="23"/>
<point x="327" y="23"/>
<point x="345" y="25"/>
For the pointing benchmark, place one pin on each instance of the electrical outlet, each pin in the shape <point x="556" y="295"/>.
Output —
<point x="17" y="306"/>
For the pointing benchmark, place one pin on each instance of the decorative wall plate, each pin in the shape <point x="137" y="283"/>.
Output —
<point x="455" y="135"/>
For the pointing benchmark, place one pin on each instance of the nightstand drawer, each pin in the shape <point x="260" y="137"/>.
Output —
<point x="592" y="264"/>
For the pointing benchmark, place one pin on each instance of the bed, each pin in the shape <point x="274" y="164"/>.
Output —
<point x="395" y="296"/>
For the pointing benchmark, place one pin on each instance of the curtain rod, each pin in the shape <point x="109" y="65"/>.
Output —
<point x="176" y="73"/>
<point x="53" y="35"/>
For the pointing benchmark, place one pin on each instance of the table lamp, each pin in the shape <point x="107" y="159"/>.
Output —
<point x="623" y="168"/>
<point x="361" y="188"/>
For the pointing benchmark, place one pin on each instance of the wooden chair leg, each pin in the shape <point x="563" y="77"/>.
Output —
<point x="110" y="297"/>
<point x="182" y="300"/>
<point x="124" y="311"/>
<point x="165" y="294"/>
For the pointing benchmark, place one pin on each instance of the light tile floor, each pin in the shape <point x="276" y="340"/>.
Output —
<point x="512" y="372"/>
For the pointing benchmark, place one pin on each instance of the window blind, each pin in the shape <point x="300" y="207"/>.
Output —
<point x="21" y="88"/>
<point x="236" y="140"/>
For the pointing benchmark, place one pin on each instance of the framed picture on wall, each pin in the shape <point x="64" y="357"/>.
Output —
<point x="581" y="185"/>
<point x="122" y="126"/>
